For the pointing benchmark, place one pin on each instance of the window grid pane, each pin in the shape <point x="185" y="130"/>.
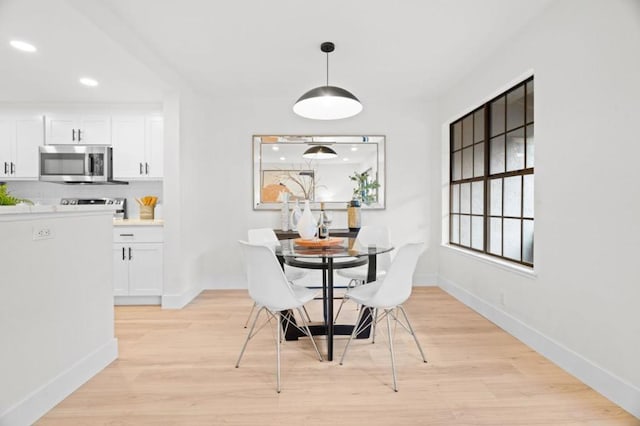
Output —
<point x="455" y="228"/>
<point x="496" y="153"/>
<point x="467" y="131"/>
<point x="465" y="230"/>
<point x="457" y="135"/>
<point x="515" y="150"/>
<point x="467" y="163"/>
<point x="478" y="160"/>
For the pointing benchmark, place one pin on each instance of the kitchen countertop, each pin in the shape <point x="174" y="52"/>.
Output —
<point x="138" y="222"/>
<point x="49" y="208"/>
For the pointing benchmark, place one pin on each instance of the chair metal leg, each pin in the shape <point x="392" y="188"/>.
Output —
<point x="344" y="299"/>
<point x="353" y="334"/>
<point x="393" y="361"/>
<point x="352" y="283"/>
<point x="250" y="313"/>
<point x="374" y="321"/>
<point x="413" y="333"/>
<point x="249" y="335"/>
<point x="306" y="327"/>
<point x="304" y="308"/>
<point x="278" y="316"/>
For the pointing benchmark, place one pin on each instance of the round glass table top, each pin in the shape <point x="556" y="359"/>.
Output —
<point x="348" y="247"/>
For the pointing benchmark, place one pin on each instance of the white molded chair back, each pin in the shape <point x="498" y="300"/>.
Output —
<point x="263" y="236"/>
<point x="376" y="236"/>
<point x="395" y="287"/>
<point x="268" y="286"/>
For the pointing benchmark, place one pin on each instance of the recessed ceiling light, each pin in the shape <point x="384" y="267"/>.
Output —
<point x="282" y="158"/>
<point x="345" y="159"/>
<point x="87" y="81"/>
<point x="354" y="148"/>
<point x="22" y="45"/>
<point x="275" y="148"/>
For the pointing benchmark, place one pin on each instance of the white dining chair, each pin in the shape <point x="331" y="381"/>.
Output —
<point x="388" y="294"/>
<point x="267" y="237"/>
<point x="367" y="236"/>
<point x="273" y="294"/>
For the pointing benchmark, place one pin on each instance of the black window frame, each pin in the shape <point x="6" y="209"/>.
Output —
<point x="481" y="121"/>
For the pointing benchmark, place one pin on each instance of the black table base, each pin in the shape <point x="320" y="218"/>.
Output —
<point x="330" y="329"/>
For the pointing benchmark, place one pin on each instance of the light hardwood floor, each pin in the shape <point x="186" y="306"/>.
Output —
<point x="176" y="367"/>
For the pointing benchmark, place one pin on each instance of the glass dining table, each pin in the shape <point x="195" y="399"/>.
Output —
<point x="346" y="253"/>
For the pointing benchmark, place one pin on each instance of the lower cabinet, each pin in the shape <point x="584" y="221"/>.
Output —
<point x="137" y="261"/>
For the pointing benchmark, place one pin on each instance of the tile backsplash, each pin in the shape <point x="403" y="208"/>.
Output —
<point x="51" y="193"/>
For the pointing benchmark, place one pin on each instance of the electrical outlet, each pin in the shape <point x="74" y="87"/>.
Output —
<point x="42" y="233"/>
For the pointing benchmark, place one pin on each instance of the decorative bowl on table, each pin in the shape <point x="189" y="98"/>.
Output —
<point x="315" y="243"/>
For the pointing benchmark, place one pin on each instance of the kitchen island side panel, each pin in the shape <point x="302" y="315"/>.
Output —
<point x="56" y="309"/>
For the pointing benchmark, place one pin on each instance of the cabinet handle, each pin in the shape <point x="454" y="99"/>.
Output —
<point x="126" y="235"/>
<point x="140" y="168"/>
<point x="6" y="168"/>
<point x="123" y="258"/>
<point x="73" y="134"/>
<point x="79" y="135"/>
<point x="13" y="168"/>
<point x="146" y="168"/>
<point x="129" y="253"/>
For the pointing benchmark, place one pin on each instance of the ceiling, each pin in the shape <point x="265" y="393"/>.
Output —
<point x="250" y="48"/>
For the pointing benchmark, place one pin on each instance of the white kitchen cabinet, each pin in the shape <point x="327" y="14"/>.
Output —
<point x="154" y="146"/>
<point x="137" y="261"/>
<point x="78" y="129"/>
<point x="20" y="138"/>
<point x="137" y="147"/>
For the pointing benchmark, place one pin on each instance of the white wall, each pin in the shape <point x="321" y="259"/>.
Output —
<point x="216" y="178"/>
<point x="583" y="302"/>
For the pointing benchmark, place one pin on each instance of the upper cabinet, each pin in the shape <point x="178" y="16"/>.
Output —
<point x="137" y="147"/>
<point x="78" y="129"/>
<point x="20" y="138"/>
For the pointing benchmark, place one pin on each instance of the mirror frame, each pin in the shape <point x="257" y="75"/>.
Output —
<point x="380" y="140"/>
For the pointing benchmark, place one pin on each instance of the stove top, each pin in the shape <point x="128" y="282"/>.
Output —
<point x="119" y="205"/>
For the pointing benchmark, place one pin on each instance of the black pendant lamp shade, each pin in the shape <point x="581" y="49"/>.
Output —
<point x="319" y="152"/>
<point x="327" y="102"/>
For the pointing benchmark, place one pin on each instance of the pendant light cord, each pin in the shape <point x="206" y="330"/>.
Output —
<point x="327" y="68"/>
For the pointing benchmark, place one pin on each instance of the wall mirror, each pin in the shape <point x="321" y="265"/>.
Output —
<point x="279" y="166"/>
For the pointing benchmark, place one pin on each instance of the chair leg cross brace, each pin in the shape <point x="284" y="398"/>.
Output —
<point x="280" y="319"/>
<point x="388" y="314"/>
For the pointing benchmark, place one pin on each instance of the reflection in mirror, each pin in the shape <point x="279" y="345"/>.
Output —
<point x="279" y="167"/>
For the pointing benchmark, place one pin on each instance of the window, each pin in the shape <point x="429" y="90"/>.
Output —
<point x="491" y="177"/>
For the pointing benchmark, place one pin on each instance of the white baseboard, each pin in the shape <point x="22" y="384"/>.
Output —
<point x="38" y="403"/>
<point x="136" y="300"/>
<point x="179" y="301"/>
<point x="602" y="381"/>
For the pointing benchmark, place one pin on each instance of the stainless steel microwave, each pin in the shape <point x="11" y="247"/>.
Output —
<point x="77" y="164"/>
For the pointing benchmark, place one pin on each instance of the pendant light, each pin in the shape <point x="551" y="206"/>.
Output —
<point x="327" y="102"/>
<point x="319" y="152"/>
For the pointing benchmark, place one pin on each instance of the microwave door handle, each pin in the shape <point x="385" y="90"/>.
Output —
<point x="91" y="165"/>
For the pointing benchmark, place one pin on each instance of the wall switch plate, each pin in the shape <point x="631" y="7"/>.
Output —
<point x="42" y="233"/>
